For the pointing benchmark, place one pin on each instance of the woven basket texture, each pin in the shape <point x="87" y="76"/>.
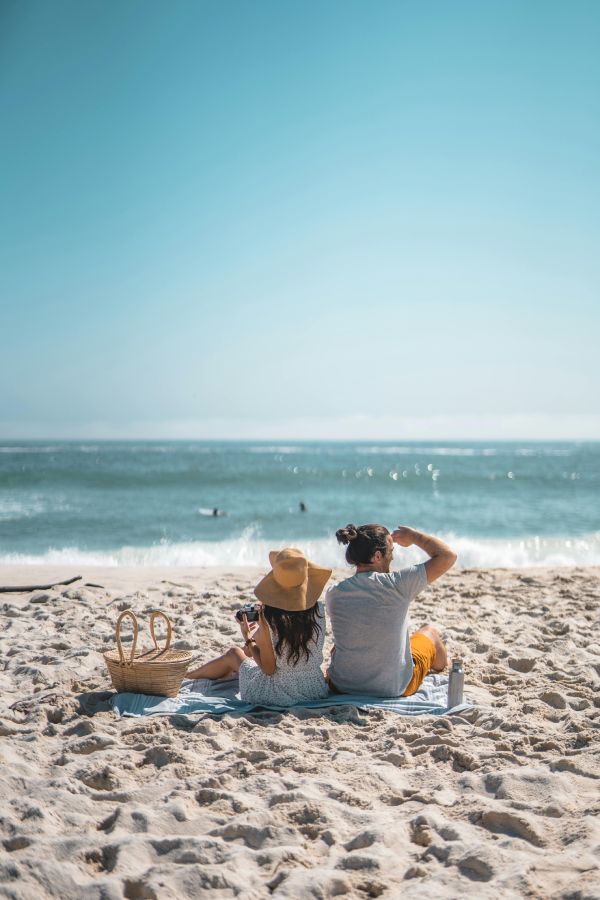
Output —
<point x="158" y="671"/>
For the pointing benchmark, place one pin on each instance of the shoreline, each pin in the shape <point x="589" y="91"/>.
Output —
<point x="19" y="573"/>
<point x="287" y="804"/>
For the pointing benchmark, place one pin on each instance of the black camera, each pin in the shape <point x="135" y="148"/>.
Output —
<point x="250" y="610"/>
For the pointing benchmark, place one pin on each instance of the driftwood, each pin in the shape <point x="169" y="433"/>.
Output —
<point x="28" y="702"/>
<point x="25" y="588"/>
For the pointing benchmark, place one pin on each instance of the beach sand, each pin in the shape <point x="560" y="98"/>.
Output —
<point x="501" y="801"/>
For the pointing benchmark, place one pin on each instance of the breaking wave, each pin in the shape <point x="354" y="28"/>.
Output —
<point x="247" y="550"/>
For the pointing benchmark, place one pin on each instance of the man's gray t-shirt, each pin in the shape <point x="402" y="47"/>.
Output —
<point x="369" y="620"/>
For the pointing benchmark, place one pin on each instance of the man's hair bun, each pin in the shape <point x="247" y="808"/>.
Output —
<point x="347" y="534"/>
<point x="363" y="542"/>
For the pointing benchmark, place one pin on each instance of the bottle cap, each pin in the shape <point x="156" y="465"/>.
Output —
<point x="457" y="663"/>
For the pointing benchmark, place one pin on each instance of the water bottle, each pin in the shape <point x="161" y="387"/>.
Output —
<point x="456" y="683"/>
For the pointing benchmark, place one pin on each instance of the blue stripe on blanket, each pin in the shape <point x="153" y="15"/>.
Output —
<point x="219" y="697"/>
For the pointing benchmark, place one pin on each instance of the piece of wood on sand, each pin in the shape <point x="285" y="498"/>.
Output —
<point x="25" y="588"/>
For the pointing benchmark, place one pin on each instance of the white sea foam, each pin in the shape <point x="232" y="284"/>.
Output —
<point x="544" y="451"/>
<point x="32" y="449"/>
<point x="407" y="450"/>
<point x="13" y="510"/>
<point x="248" y="550"/>
<point x="283" y="449"/>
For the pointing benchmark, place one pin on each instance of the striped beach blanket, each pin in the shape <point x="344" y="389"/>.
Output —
<point x="221" y="697"/>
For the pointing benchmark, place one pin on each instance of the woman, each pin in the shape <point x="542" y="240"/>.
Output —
<point x="280" y="663"/>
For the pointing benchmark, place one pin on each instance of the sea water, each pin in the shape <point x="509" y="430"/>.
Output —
<point x="152" y="503"/>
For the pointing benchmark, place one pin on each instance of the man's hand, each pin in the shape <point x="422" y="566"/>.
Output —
<point x="403" y="535"/>
<point x="442" y="557"/>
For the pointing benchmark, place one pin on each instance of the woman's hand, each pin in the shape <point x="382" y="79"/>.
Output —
<point x="247" y="628"/>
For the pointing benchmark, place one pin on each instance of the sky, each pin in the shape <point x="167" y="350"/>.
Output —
<point x="329" y="219"/>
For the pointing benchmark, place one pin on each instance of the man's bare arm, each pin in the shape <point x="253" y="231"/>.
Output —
<point x="442" y="557"/>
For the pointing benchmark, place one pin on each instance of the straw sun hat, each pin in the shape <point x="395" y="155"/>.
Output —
<point x="294" y="584"/>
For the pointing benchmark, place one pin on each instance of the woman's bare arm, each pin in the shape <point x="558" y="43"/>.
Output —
<point x="261" y="650"/>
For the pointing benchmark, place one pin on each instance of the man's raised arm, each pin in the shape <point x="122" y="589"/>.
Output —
<point x="442" y="557"/>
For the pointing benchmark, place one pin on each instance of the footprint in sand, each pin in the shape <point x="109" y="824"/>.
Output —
<point x="512" y="825"/>
<point x="90" y="744"/>
<point x="18" y="842"/>
<point x="250" y="835"/>
<point x="103" y="779"/>
<point x="362" y="840"/>
<point x="223" y="799"/>
<point x="102" y="859"/>
<point x="160" y="757"/>
<point x="139" y="889"/>
<point x="522" y="663"/>
<point x="554" y="699"/>
<point x="108" y="824"/>
<point x="358" y="862"/>
<point x="476" y="867"/>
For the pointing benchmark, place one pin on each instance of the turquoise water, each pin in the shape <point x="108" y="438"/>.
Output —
<point x="151" y="503"/>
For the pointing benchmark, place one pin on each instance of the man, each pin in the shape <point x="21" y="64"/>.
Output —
<point x="368" y="612"/>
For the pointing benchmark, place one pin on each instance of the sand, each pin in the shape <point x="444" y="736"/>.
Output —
<point x="501" y="801"/>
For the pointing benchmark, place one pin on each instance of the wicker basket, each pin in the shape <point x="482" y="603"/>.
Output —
<point x="158" y="672"/>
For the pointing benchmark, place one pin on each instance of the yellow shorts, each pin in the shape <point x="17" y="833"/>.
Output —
<point x="422" y="651"/>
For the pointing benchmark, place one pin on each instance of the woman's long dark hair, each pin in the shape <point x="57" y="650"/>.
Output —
<point x="294" y="630"/>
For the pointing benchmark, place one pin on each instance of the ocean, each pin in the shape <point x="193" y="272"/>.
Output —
<point x="152" y="503"/>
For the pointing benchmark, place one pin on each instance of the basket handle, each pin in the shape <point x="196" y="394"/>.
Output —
<point x="153" y="616"/>
<point x="122" y="660"/>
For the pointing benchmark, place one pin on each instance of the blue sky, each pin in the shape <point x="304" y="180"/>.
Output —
<point x="301" y="219"/>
